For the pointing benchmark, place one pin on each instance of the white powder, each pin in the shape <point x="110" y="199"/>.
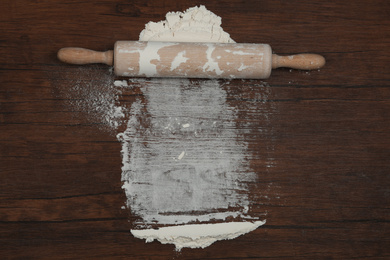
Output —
<point x="94" y="95"/>
<point x="181" y="155"/>
<point x="197" y="236"/>
<point x="187" y="165"/>
<point x="146" y="67"/>
<point x="211" y="65"/>
<point x="171" y="172"/>
<point x="120" y="83"/>
<point x="179" y="59"/>
<point x="197" y="24"/>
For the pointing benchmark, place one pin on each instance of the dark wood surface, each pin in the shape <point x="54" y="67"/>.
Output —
<point x="328" y="192"/>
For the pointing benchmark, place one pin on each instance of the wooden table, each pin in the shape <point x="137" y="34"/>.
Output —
<point x="328" y="132"/>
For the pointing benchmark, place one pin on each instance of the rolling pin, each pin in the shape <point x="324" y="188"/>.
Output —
<point x="191" y="60"/>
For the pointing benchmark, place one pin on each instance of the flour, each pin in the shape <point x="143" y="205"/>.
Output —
<point x="197" y="24"/>
<point x="187" y="165"/>
<point x="174" y="172"/>
<point x="94" y="93"/>
<point x="179" y="59"/>
<point x="197" y="236"/>
<point x="120" y="83"/>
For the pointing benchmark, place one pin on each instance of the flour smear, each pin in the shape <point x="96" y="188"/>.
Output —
<point x="186" y="164"/>
<point x="183" y="165"/>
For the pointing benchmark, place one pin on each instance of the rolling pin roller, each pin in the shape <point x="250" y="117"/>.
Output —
<point x="191" y="60"/>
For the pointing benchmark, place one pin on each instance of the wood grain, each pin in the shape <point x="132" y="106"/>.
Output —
<point x="328" y="132"/>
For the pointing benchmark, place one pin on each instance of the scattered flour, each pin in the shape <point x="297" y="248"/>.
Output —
<point x="94" y="93"/>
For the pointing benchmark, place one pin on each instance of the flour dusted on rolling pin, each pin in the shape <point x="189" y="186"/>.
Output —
<point x="192" y="60"/>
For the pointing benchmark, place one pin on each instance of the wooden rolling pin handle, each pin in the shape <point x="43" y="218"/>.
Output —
<point x="307" y="61"/>
<point x="80" y="56"/>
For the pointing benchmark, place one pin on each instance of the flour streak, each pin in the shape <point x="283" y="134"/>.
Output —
<point x="178" y="171"/>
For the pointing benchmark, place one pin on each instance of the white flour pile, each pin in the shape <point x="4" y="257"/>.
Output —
<point x="187" y="164"/>
<point x="197" y="24"/>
